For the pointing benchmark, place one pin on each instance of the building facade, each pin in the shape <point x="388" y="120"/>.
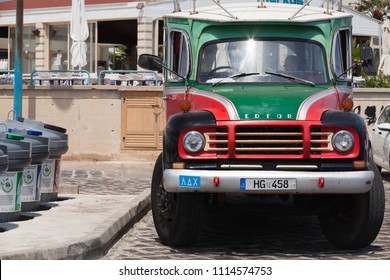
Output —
<point x="119" y="30"/>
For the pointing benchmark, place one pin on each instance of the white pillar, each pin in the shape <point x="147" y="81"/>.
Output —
<point x="145" y="36"/>
<point x="40" y="47"/>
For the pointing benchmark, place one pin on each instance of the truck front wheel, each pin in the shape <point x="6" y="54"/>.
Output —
<point x="176" y="216"/>
<point x="356" y="219"/>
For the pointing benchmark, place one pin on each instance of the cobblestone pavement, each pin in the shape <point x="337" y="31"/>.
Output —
<point x="241" y="234"/>
<point x="97" y="178"/>
<point x="231" y="232"/>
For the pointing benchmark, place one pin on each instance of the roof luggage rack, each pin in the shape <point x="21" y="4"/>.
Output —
<point x="328" y="4"/>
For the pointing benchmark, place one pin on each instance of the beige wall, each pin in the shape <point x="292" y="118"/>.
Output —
<point x="91" y="116"/>
<point x="375" y="98"/>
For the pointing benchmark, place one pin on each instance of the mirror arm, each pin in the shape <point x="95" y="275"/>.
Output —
<point x="169" y="70"/>
<point x="177" y="74"/>
<point x="352" y="66"/>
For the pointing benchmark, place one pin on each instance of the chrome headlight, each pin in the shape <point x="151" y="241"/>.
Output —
<point x="343" y="141"/>
<point x="193" y="141"/>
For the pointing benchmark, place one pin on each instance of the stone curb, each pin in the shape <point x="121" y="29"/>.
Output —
<point x="98" y="241"/>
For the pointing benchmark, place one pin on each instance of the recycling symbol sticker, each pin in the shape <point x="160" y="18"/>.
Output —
<point x="7" y="185"/>
<point x="46" y="170"/>
<point x="28" y="177"/>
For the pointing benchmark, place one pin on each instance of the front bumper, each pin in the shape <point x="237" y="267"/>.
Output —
<point x="229" y="181"/>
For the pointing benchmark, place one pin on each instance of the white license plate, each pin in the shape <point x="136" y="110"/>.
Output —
<point x="267" y="184"/>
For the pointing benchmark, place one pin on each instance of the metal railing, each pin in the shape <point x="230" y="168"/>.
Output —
<point x="103" y="72"/>
<point x="50" y="78"/>
<point x="33" y="77"/>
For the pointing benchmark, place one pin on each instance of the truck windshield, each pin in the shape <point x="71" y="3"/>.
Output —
<point x="262" y="61"/>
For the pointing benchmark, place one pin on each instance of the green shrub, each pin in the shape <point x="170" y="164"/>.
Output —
<point x="377" y="82"/>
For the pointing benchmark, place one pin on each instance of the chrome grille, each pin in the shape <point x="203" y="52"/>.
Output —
<point x="268" y="141"/>
<point x="321" y="142"/>
<point x="217" y="141"/>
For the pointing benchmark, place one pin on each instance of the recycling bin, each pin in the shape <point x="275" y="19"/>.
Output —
<point x="31" y="183"/>
<point x="19" y="156"/>
<point x="58" y="142"/>
<point x="3" y="159"/>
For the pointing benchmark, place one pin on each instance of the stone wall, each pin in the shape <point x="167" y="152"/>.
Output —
<point x="369" y="102"/>
<point x="92" y="116"/>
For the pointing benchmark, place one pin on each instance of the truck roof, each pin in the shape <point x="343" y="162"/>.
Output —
<point x="271" y="12"/>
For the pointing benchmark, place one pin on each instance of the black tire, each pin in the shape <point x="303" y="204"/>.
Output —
<point x="371" y="157"/>
<point x="356" y="219"/>
<point x="176" y="216"/>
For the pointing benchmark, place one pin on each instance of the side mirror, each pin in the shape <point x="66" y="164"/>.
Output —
<point x="367" y="59"/>
<point x="150" y="62"/>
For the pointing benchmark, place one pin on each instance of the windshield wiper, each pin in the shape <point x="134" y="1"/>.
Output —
<point x="235" y="76"/>
<point x="292" y="78"/>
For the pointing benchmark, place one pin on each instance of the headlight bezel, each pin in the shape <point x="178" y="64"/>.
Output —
<point x="195" y="135"/>
<point x="343" y="136"/>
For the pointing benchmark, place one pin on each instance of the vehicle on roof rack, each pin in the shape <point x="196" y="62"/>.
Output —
<point x="258" y="101"/>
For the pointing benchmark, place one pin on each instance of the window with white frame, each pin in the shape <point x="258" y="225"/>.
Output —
<point x="341" y="55"/>
<point x="179" y="55"/>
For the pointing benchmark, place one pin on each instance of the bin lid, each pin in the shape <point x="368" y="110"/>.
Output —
<point x="42" y="124"/>
<point x="57" y="137"/>
<point x="18" y="151"/>
<point x="3" y="159"/>
<point x="40" y="145"/>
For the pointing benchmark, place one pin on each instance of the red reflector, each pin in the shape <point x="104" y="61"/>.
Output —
<point x="321" y="182"/>
<point x="216" y="181"/>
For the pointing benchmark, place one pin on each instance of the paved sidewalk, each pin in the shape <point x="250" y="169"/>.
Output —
<point x="98" y="202"/>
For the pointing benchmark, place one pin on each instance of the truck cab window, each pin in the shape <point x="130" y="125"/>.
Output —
<point x="342" y="60"/>
<point x="179" y="58"/>
<point x="257" y="57"/>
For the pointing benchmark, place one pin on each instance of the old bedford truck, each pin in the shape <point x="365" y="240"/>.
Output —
<point x="258" y="102"/>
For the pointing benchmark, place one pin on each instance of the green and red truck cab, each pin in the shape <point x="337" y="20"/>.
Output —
<point x="258" y="101"/>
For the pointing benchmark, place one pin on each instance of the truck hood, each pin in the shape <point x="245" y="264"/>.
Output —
<point x="281" y="102"/>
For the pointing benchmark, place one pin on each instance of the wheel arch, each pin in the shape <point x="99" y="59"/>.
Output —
<point x="340" y="118"/>
<point x="175" y="126"/>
